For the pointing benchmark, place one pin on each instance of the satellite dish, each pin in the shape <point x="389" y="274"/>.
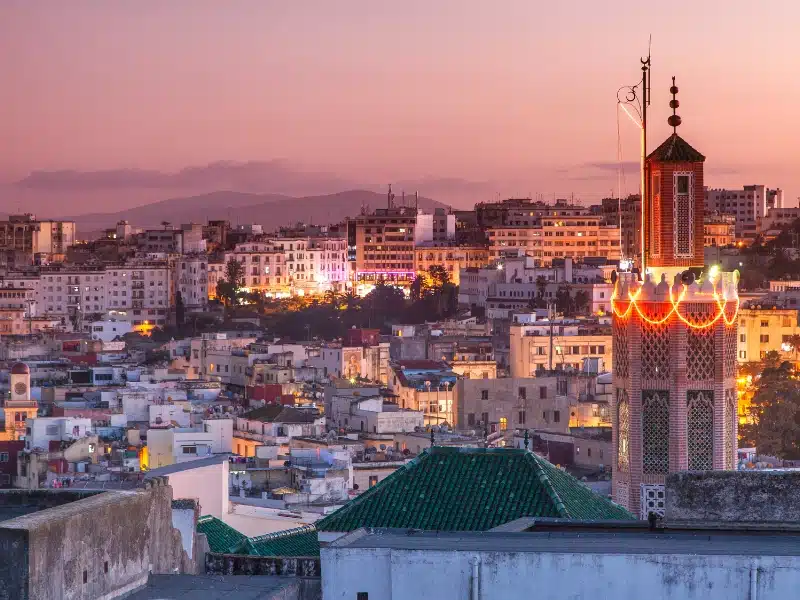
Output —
<point x="383" y="446"/>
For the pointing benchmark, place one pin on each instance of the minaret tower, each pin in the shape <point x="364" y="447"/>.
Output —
<point x="19" y="407"/>
<point x="675" y="332"/>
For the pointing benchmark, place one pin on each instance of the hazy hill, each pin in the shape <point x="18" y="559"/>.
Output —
<point x="269" y="210"/>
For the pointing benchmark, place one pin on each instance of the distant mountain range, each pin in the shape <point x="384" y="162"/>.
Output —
<point x="269" y="210"/>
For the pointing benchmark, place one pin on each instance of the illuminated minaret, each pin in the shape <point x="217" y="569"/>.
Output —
<point x="675" y="330"/>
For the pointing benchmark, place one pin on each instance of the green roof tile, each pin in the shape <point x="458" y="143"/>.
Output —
<point x="222" y="538"/>
<point x="471" y="489"/>
<point x="301" y="541"/>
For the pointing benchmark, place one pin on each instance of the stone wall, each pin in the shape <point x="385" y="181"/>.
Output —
<point x="98" y="546"/>
<point x="745" y="496"/>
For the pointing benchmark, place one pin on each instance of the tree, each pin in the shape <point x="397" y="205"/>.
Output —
<point x="180" y="310"/>
<point x="439" y="276"/>
<point x="794" y="342"/>
<point x="581" y="301"/>
<point x="541" y="286"/>
<point x="775" y="413"/>
<point x="564" y="299"/>
<point x="229" y="288"/>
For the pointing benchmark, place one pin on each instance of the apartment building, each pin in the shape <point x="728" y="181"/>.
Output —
<point x="265" y="268"/>
<point x="190" y="276"/>
<point x="27" y="235"/>
<point x="452" y="257"/>
<point x="719" y="229"/>
<point x="314" y="264"/>
<point x="765" y="326"/>
<point x="380" y="246"/>
<point x="577" y="237"/>
<point x="748" y="204"/>
<point x="564" y="344"/>
<point x="775" y="220"/>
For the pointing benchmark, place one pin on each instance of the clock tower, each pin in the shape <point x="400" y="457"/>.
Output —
<point x="19" y="407"/>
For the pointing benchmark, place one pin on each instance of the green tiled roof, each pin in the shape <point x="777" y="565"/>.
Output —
<point x="471" y="489"/>
<point x="676" y="149"/>
<point x="222" y="538"/>
<point x="301" y="541"/>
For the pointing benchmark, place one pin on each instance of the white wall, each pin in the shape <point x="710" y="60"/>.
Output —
<point x="446" y="575"/>
<point x="208" y="485"/>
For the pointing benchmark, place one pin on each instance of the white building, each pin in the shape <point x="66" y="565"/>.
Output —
<point x="180" y="444"/>
<point x="41" y="431"/>
<point x="573" y="562"/>
<point x="191" y="280"/>
<point x="107" y="331"/>
<point x="371" y="414"/>
<point x="750" y="204"/>
<point x="315" y="264"/>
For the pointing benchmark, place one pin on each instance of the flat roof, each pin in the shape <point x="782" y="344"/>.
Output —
<point x="189" y="465"/>
<point x="624" y="540"/>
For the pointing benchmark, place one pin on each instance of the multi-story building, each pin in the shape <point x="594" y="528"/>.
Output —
<point x="776" y="220"/>
<point x="191" y="280"/>
<point x="29" y="236"/>
<point x="314" y="264"/>
<point x="749" y="204"/>
<point x="719" y="230"/>
<point x="548" y="237"/>
<point x="265" y="268"/>
<point x="426" y="386"/>
<point x="450" y="256"/>
<point x="139" y="292"/>
<point x="765" y="326"/>
<point x="625" y="213"/>
<point x="542" y="345"/>
<point x="380" y="246"/>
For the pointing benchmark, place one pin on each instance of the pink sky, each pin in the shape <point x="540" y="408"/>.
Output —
<point x="519" y="93"/>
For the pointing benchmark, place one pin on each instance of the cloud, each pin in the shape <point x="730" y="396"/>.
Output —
<point x="276" y="176"/>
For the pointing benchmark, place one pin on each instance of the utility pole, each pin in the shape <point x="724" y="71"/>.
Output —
<point x="551" y="315"/>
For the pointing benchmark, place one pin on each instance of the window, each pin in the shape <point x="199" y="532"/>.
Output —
<point x="85" y="576"/>
<point x="503" y="423"/>
<point x="190" y="449"/>
<point x="683" y="184"/>
<point x="765" y="323"/>
<point x="589" y="452"/>
<point x="485" y="418"/>
<point x="521" y="417"/>
<point x="362" y="596"/>
<point x="470" y="419"/>
<point x="542" y="391"/>
<point x="484" y="394"/>
<point x="764" y="339"/>
<point x="105" y="567"/>
<point x="373" y="480"/>
<point x="3" y="456"/>
<point x="523" y="393"/>
<point x="743" y="338"/>
<point x="556" y="416"/>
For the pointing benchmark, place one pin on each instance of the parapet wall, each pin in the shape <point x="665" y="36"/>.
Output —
<point x="744" y="496"/>
<point x="103" y="545"/>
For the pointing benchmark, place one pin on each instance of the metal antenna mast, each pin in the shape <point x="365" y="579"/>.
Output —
<point x="638" y="98"/>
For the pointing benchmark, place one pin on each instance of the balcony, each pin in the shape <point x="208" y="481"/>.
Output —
<point x="137" y="285"/>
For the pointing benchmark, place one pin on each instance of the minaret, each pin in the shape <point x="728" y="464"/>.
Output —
<point x="20" y="406"/>
<point x="675" y="334"/>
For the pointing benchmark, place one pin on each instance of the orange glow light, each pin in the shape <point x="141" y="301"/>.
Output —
<point x="633" y="304"/>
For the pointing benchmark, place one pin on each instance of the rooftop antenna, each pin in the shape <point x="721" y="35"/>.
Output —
<point x="389" y="197"/>
<point x="416" y="201"/>
<point x="403" y="198"/>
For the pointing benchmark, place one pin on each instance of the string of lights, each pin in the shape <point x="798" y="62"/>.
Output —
<point x="633" y="304"/>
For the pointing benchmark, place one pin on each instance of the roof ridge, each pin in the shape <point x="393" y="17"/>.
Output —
<point x="277" y="535"/>
<point x="544" y="479"/>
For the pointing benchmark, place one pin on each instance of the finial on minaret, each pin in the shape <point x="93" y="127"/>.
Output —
<point x="433" y="440"/>
<point x="526" y="440"/>
<point x="674" y="120"/>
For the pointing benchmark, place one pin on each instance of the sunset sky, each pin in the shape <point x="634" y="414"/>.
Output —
<point x="514" y="97"/>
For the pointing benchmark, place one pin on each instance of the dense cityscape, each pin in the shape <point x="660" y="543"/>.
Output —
<point x="550" y="396"/>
